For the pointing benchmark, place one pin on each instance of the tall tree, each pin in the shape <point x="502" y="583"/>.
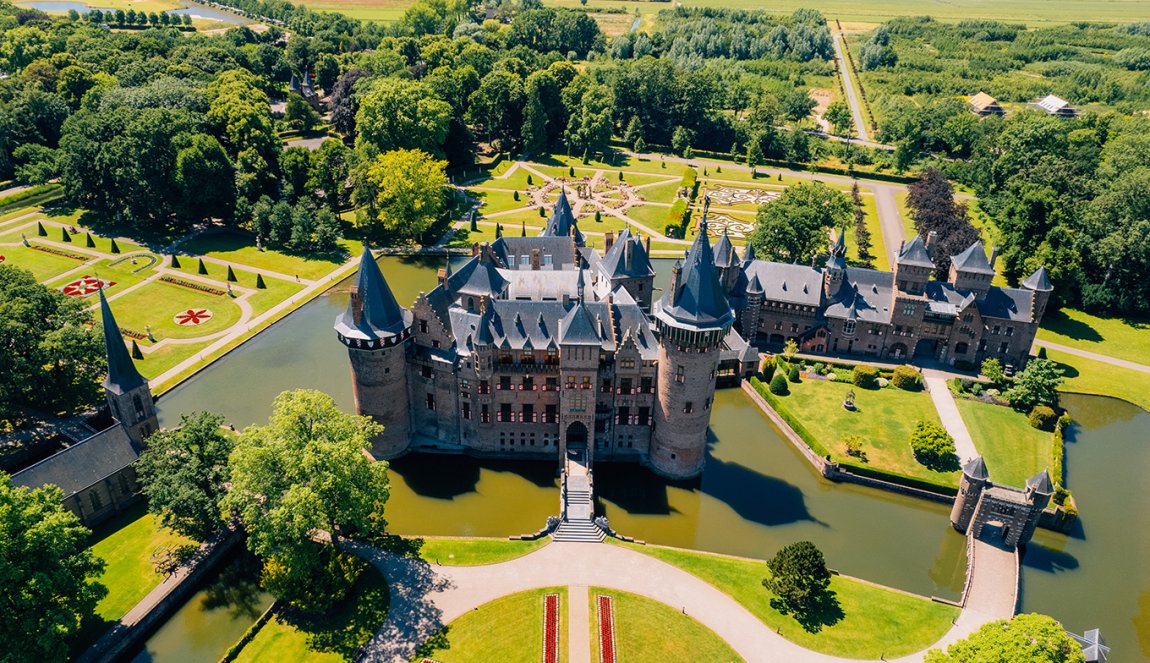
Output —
<point x="838" y="115"/>
<point x="307" y="471"/>
<point x="799" y="576"/>
<point x="202" y="166"/>
<point x="589" y="130"/>
<point x="862" y="233"/>
<point x="50" y="574"/>
<point x="794" y="226"/>
<point x="184" y="473"/>
<point x="328" y="173"/>
<point x="345" y="101"/>
<point x="401" y="192"/>
<point x="1037" y="384"/>
<point x="497" y="107"/>
<point x="1029" y="637"/>
<point x="934" y="209"/>
<point x="400" y="114"/>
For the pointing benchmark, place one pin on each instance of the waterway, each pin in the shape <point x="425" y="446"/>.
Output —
<point x="756" y="494"/>
<point x="193" y="10"/>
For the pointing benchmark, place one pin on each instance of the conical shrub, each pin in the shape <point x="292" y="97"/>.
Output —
<point x="260" y="282"/>
<point x="175" y="261"/>
<point x="136" y="354"/>
<point x="40" y="229"/>
<point x="231" y="274"/>
<point x="203" y="269"/>
<point x="64" y="235"/>
<point x="88" y="241"/>
<point x="115" y="247"/>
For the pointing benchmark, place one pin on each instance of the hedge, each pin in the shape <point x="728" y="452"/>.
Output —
<point x="1058" y="450"/>
<point x="40" y="193"/>
<point x="677" y="219"/>
<point x="690" y="182"/>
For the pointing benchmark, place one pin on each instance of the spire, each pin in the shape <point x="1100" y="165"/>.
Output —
<point x="373" y="309"/>
<point x="698" y="299"/>
<point x="579" y="284"/>
<point x="725" y="255"/>
<point x="756" y="286"/>
<point x="122" y="373"/>
<point x="838" y="257"/>
<point x="749" y="255"/>
<point x="973" y="259"/>
<point x="976" y="469"/>
<point x="852" y="312"/>
<point x="915" y="254"/>
<point x="1040" y="483"/>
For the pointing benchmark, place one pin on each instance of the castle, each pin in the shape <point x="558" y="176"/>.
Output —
<point x="540" y="345"/>
<point x="1013" y="511"/>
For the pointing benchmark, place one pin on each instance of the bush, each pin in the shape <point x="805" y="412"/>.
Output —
<point x="865" y="376"/>
<point x="779" y="385"/>
<point x="1042" y="417"/>
<point x="976" y="389"/>
<point x="854" y="447"/>
<point x="793" y="374"/>
<point x="821" y="368"/>
<point x="967" y="384"/>
<point x="905" y="377"/>
<point x="933" y="447"/>
<point x="767" y="368"/>
<point x="833" y="377"/>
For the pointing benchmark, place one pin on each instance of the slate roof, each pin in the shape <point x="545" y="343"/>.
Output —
<point x="973" y="259"/>
<point x="562" y="221"/>
<point x="621" y="263"/>
<point x="748" y="254"/>
<point x="725" y="254"/>
<point x="479" y="276"/>
<point x="577" y="327"/>
<point x="865" y="295"/>
<point x="510" y="250"/>
<point x="1094" y="648"/>
<point x="838" y="256"/>
<point x="1006" y="304"/>
<point x="1040" y="483"/>
<point x="790" y="283"/>
<point x="915" y="254"/>
<point x="122" y="373"/>
<point x="83" y="464"/>
<point x="975" y="468"/>
<point x="943" y="299"/>
<point x="699" y="302"/>
<point x="1038" y="281"/>
<point x="382" y="315"/>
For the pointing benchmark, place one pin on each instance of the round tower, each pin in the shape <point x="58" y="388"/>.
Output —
<point x="692" y="320"/>
<point x="377" y="333"/>
<point x="975" y="478"/>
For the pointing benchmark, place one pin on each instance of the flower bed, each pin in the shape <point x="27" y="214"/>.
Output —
<point x="551" y="628"/>
<point x="132" y="334"/>
<point x="59" y="252"/>
<point x="606" y="629"/>
<point x="194" y="286"/>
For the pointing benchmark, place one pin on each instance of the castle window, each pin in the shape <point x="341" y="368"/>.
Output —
<point x="707" y="404"/>
<point x="524" y="260"/>
<point x="908" y="308"/>
<point x="996" y="330"/>
<point x="1010" y="331"/>
<point x="504" y="382"/>
<point x="968" y="317"/>
<point x="627" y="363"/>
<point x="505" y="412"/>
<point x="794" y="327"/>
<point x="689" y="407"/>
<point x="422" y="326"/>
<point x="431" y="401"/>
<point x="139" y="406"/>
<point x="961" y="348"/>
<point x="551" y="414"/>
<point x="779" y="325"/>
<point x="94" y="497"/>
<point x="679" y="377"/>
<point x="623" y="416"/>
<point x="528" y="415"/>
<point x="552" y="384"/>
<point x="470" y="303"/>
<point x="982" y="345"/>
<point x="425" y="371"/>
<point x="849" y="327"/>
<point x="547" y="260"/>
<point x="1002" y="348"/>
<point x="625" y="386"/>
<point x="484" y="387"/>
<point x="644" y="416"/>
<point x="435" y="343"/>
<point x="484" y="414"/>
<point x="467" y="411"/>
<point x="528" y="384"/>
<point x="645" y="386"/>
<point x="606" y="386"/>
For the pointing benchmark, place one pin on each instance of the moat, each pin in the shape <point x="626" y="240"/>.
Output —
<point x="756" y="493"/>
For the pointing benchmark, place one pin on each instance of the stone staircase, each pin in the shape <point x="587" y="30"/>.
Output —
<point x="578" y="507"/>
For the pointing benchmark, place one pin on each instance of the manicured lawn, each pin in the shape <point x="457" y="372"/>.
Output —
<point x="660" y="193"/>
<point x="473" y="552"/>
<point x="904" y="215"/>
<point x="647" y="631"/>
<point x="883" y="420"/>
<point x="1088" y="376"/>
<point x="877" y="245"/>
<point x="276" y="290"/>
<point x="42" y="264"/>
<point x="1012" y="448"/>
<point x="499" y="201"/>
<point x="638" y="179"/>
<point x="241" y="249"/>
<point x="509" y="628"/>
<point x="874" y="621"/>
<point x="336" y="636"/>
<point x="1123" y="338"/>
<point x="158" y="302"/>
<point x="126" y="544"/>
<point x="654" y="217"/>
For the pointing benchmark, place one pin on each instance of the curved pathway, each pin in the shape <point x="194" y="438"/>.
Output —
<point x="425" y="597"/>
<point x="1086" y="354"/>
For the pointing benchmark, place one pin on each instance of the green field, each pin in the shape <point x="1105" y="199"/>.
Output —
<point x="1114" y="337"/>
<point x="1013" y="449"/>
<point x="242" y="249"/>
<point x="883" y="420"/>
<point x="509" y="628"/>
<point x="473" y="552"/>
<point x="870" y="621"/>
<point x="647" y="631"/>
<point x="1088" y="376"/>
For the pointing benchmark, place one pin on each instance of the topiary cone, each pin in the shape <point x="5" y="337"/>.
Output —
<point x="175" y="261"/>
<point x="64" y="235"/>
<point x="115" y="247"/>
<point x="40" y="229"/>
<point x="231" y="274"/>
<point x="136" y="354"/>
<point x="203" y="269"/>
<point x="88" y="241"/>
<point x="260" y="282"/>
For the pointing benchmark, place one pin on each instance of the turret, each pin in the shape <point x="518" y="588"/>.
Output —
<point x="129" y="396"/>
<point x="727" y="262"/>
<point x="975" y="479"/>
<point x="836" y="265"/>
<point x="1039" y="285"/>
<point x="1039" y="490"/>
<point x="970" y="270"/>
<point x="913" y="267"/>
<point x="692" y="319"/>
<point x="562" y="221"/>
<point x="752" y="310"/>
<point x="627" y="263"/>
<point x="377" y="331"/>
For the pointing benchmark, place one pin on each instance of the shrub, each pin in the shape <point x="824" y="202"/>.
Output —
<point x="516" y="196"/>
<point x="115" y="248"/>
<point x="64" y="236"/>
<point x="40" y="229"/>
<point x="1042" y="417"/>
<point x="967" y="384"/>
<point x="203" y="269"/>
<point x="260" y="282"/>
<point x="88" y="241"/>
<point x="529" y="181"/>
<point x="905" y="377"/>
<point x="821" y="368"/>
<point x="833" y="377"/>
<point x="933" y="447"/>
<point x="865" y="376"/>
<point x="793" y="374"/>
<point x="175" y="262"/>
<point x="231" y="274"/>
<point x="976" y="389"/>
<point x="767" y="368"/>
<point x="779" y="385"/>
<point x="854" y="447"/>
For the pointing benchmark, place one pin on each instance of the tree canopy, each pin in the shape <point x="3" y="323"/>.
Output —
<point x="794" y="226"/>
<point x="402" y="192"/>
<point x="1028" y="637"/>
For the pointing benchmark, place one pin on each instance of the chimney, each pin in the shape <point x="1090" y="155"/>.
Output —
<point x="356" y="305"/>
<point x="993" y="256"/>
<point x="628" y="247"/>
<point x="609" y="240"/>
<point x="484" y="252"/>
<point x="901" y="246"/>
<point x="930" y="237"/>
<point x="442" y="275"/>
<point x="534" y="260"/>
<point x="676" y="271"/>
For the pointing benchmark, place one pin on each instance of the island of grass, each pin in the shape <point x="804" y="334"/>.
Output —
<point x="510" y="628"/>
<point x="647" y="631"/>
<point x="870" y="620"/>
<point x="882" y="420"/>
<point x="1089" y="376"/>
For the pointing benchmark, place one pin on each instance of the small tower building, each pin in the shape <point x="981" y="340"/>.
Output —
<point x="1039" y="285"/>
<point x="129" y="396"/>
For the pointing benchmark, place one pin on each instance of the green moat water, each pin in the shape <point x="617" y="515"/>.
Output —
<point x="756" y="494"/>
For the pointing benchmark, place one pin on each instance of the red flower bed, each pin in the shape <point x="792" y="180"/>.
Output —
<point x="59" y="252"/>
<point x="606" y="629"/>
<point x="551" y="628"/>
<point x="132" y="334"/>
<point x="193" y="285"/>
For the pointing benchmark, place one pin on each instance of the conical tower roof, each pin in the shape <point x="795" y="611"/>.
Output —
<point x="699" y="302"/>
<point x="379" y="315"/>
<point x="915" y="254"/>
<point x="838" y="257"/>
<point x="1040" y="483"/>
<point x="122" y="373"/>
<point x="725" y="255"/>
<point x="973" y="259"/>
<point x="1039" y="281"/>
<point x="748" y="254"/>
<point x="562" y="223"/>
<point x="976" y="469"/>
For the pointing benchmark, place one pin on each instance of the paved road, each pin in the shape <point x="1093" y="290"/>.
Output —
<point x="426" y="597"/>
<point x="889" y="218"/>
<point x="844" y="71"/>
<point x="948" y="413"/>
<point x="1113" y="361"/>
<point x="578" y="624"/>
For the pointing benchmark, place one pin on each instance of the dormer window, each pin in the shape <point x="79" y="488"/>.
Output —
<point x="849" y="328"/>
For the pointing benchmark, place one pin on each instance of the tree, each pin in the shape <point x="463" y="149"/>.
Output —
<point x="838" y="114"/>
<point x="345" y="102"/>
<point x="53" y="359"/>
<point x="793" y="227"/>
<point x="50" y="574"/>
<point x="779" y="385"/>
<point x="799" y="576"/>
<point x="401" y="192"/>
<point x="202" y="165"/>
<point x="934" y="209"/>
<point x="397" y="114"/>
<point x="862" y="232"/>
<point x="933" y="447"/>
<point x="1037" y="384"/>
<point x="497" y="107"/>
<point x="754" y="153"/>
<point x="299" y="115"/>
<point x="797" y="105"/>
<point x="634" y="133"/>
<point x="589" y="130"/>
<point x="992" y="369"/>
<point x="1029" y="637"/>
<point x="295" y="169"/>
<point x="328" y="172"/>
<point x="681" y="140"/>
<point x="184" y="472"/>
<point x="307" y="471"/>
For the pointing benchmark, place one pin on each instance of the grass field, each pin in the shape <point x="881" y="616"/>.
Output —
<point x="647" y="631"/>
<point x="883" y="420"/>
<point x="1088" y="376"/>
<point x="1012" y="448"/>
<point x="507" y="629"/>
<point x="871" y="621"/>
<point x="242" y="249"/>
<point x="473" y="552"/>
<point x="1114" y="337"/>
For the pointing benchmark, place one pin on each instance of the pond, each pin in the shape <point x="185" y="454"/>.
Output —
<point x="756" y="493"/>
<point x="208" y="14"/>
<point x="61" y="6"/>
